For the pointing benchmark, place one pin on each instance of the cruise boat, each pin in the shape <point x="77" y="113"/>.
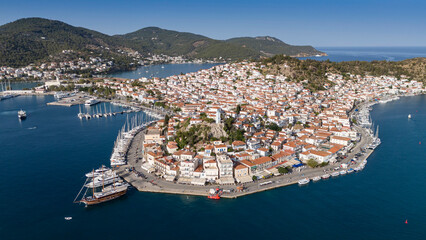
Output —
<point x="106" y="194"/>
<point x="22" y="114"/>
<point x="304" y="181"/>
<point x="316" y="179"/>
<point x="103" y="179"/>
<point x="97" y="172"/>
<point x="325" y="176"/>
<point x="91" y="102"/>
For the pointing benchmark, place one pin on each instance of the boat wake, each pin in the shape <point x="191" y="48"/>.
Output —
<point x="32" y="128"/>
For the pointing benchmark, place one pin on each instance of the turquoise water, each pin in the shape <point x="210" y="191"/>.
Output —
<point x="338" y="54"/>
<point x="44" y="158"/>
<point x="163" y="70"/>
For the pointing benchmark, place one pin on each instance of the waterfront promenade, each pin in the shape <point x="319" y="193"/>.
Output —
<point x="147" y="182"/>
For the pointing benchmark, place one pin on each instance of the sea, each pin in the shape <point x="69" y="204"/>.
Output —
<point x="43" y="160"/>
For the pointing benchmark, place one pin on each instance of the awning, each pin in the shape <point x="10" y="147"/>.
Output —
<point x="244" y="179"/>
<point x="226" y="180"/>
<point x="198" y="181"/>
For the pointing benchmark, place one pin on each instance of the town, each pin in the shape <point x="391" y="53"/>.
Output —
<point x="235" y="125"/>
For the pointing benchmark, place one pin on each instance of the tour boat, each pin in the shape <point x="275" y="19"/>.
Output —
<point x="106" y="194"/>
<point x="304" y="181"/>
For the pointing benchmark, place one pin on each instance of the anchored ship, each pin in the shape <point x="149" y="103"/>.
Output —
<point x="22" y="114"/>
<point x="103" y="185"/>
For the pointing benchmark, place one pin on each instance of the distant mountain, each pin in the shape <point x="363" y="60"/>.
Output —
<point x="173" y="43"/>
<point x="29" y="40"/>
<point x="271" y="46"/>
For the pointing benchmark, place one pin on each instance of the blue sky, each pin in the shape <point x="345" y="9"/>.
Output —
<point x="318" y="23"/>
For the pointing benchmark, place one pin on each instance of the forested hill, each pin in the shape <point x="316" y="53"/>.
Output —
<point x="30" y="40"/>
<point x="314" y="70"/>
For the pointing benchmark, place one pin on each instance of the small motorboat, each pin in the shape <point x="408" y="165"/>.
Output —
<point x="68" y="218"/>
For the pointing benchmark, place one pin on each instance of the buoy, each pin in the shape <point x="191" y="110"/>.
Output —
<point x="406" y="221"/>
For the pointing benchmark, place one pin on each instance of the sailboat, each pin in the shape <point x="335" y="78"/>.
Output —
<point x="80" y="114"/>
<point x="108" y="192"/>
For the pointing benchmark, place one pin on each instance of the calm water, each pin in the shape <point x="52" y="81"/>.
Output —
<point x="44" y="158"/>
<point x="338" y="54"/>
<point x="163" y="70"/>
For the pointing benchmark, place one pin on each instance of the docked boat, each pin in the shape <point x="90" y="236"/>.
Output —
<point x="316" y="179"/>
<point x="91" y="102"/>
<point x="325" y="176"/>
<point x="343" y="172"/>
<point x="112" y="187"/>
<point x="350" y="170"/>
<point x="22" y="114"/>
<point x="335" y="174"/>
<point x="97" y="172"/>
<point x="304" y="181"/>
<point x="106" y="194"/>
<point x="103" y="179"/>
<point x="215" y="193"/>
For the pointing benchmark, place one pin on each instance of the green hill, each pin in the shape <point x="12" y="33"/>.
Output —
<point x="173" y="43"/>
<point x="271" y="46"/>
<point x="30" y="40"/>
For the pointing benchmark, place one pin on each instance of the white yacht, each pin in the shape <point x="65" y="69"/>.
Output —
<point x="325" y="176"/>
<point x="91" y="102"/>
<point x="304" y="181"/>
<point x="22" y="114"/>
<point x="316" y="179"/>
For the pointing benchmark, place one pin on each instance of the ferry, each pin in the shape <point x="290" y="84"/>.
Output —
<point x="304" y="181"/>
<point x="91" y="102"/>
<point x="22" y="114"/>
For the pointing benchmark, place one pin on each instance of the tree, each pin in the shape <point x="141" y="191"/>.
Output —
<point x="282" y="170"/>
<point x="312" y="163"/>
<point x="238" y="110"/>
<point x="254" y="178"/>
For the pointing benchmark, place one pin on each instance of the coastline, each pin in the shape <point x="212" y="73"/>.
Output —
<point x="159" y="185"/>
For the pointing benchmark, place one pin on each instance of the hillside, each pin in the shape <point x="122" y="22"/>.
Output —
<point x="314" y="70"/>
<point x="31" y="40"/>
<point x="173" y="43"/>
<point x="271" y="46"/>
